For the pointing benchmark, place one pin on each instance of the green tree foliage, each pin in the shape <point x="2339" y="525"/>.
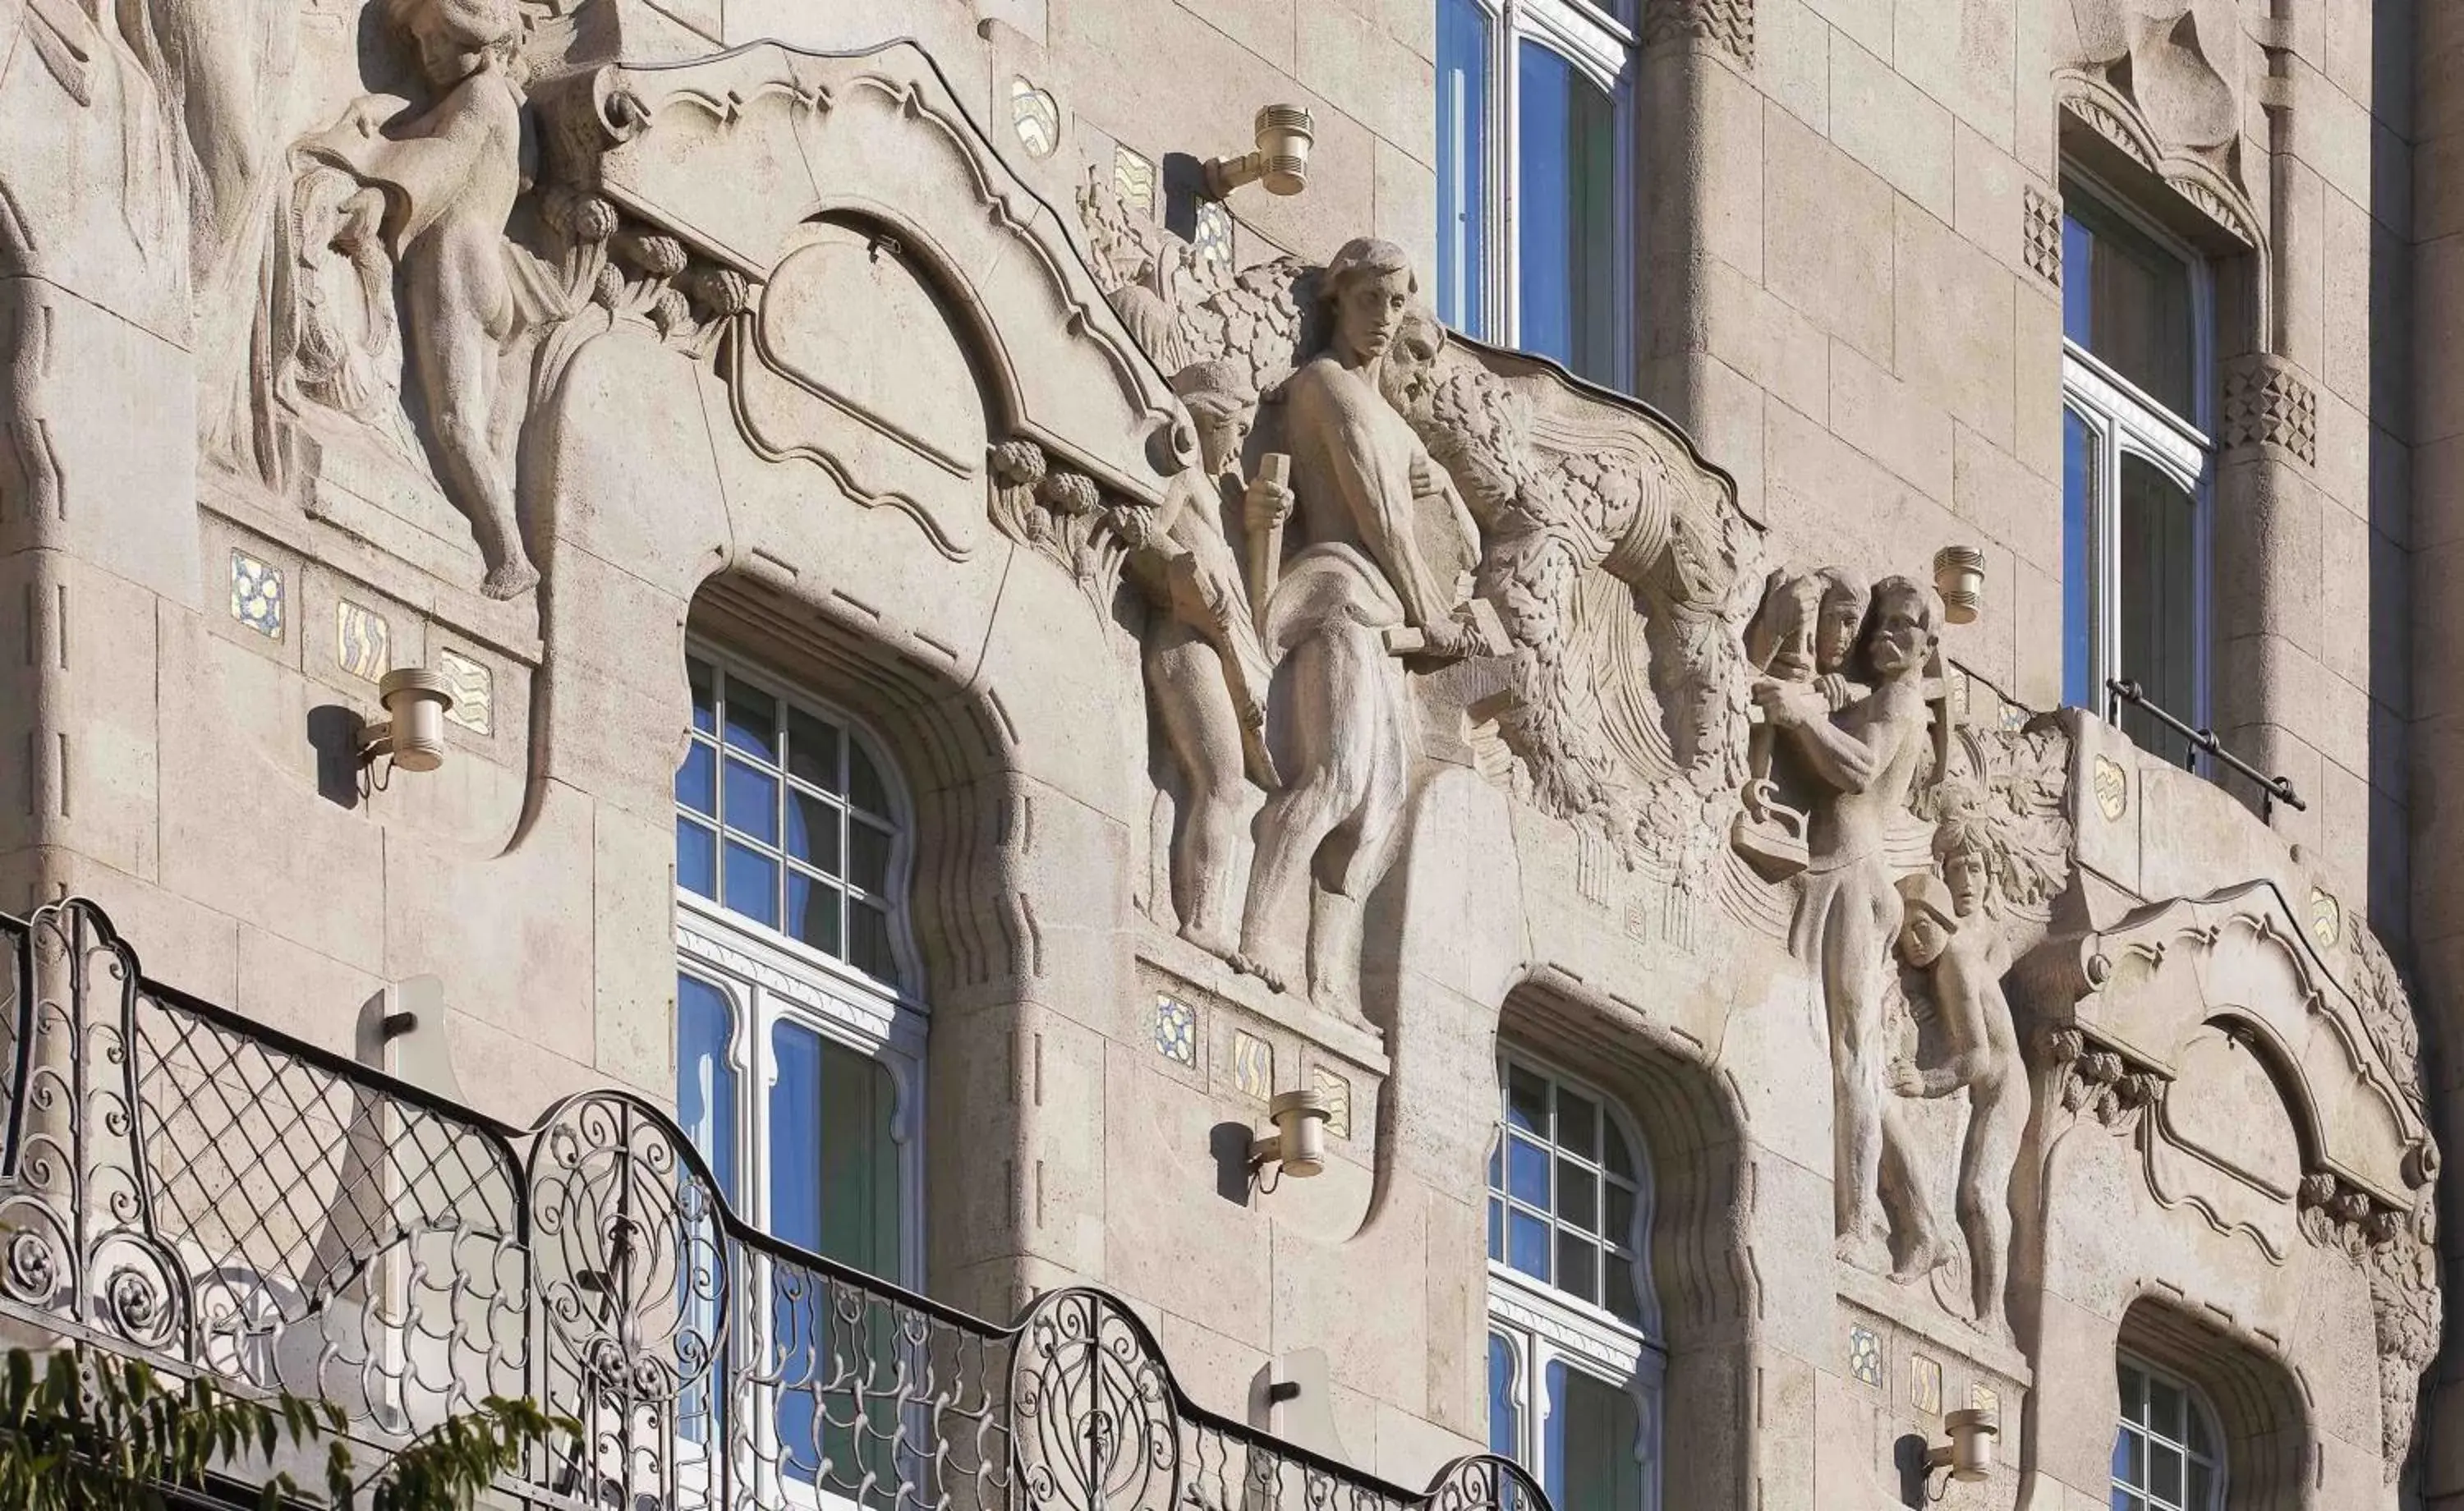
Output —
<point x="97" y="1432"/>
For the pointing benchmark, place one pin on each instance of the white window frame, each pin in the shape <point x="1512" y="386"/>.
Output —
<point x="2124" y="419"/>
<point x="1543" y="1326"/>
<point x="1604" y="50"/>
<point x="2195" y="1401"/>
<point x="770" y="977"/>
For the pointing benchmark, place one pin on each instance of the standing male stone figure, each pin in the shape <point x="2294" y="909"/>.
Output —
<point x="1340" y="720"/>
<point x="1868" y="754"/>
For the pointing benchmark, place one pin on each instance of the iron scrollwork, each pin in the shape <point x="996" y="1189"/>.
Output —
<point x="180" y="1183"/>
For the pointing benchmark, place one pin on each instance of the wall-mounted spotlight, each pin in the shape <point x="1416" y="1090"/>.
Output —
<point x="1285" y="134"/>
<point x="1297" y="1146"/>
<point x="1959" y="576"/>
<point x="1968" y="1456"/>
<point x="413" y="734"/>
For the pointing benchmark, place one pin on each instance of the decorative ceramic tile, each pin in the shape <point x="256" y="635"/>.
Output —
<point x="1253" y="1065"/>
<point x="1175" y="1030"/>
<point x="2327" y="918"/>
<point x="2112" y="788"/>
<point x="1925" y="1384"/>
<point x="474" y="691"/>
<point x="1036" y="116"/>
<point x="1982" y="1397"/>
<point x="1212" y="236"/>
<point x="256" y="594"/>
<point x="1337" y="1092"/>
<point x="1133" y="179"/>
<point x="362" y="640"/>
<point x="1865" y="1356"/>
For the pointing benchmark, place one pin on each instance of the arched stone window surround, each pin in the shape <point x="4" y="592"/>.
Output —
<point x="2260" y="1401"/>
<point x="1691" y="1123"/>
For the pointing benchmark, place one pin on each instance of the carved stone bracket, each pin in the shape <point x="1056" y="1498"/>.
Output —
<point x="2095" y="1082"/>
<point x="1727" y="25"/>
<point x="2268" y="403"/>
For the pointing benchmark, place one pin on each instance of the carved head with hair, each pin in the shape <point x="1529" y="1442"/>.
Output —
<point x="1839" y="616"/>
<point x="1363" y="295"/>
<point x="1408" y="377"/>
<point x="1221" y="405"/>
<point x="1964" y="850"/>
<point x="456" y="37"/>
<point x="1902" y="625"/>
<point x="1928" y="918"/>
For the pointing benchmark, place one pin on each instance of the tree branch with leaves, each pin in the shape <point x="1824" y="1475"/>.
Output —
<point x="94" y="1432"/>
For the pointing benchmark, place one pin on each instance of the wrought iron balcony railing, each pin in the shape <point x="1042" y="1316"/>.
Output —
<point x="179" y="1183"/>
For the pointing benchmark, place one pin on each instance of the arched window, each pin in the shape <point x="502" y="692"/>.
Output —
<point x="1533" y="207"/>
<point x="1576" y="1360"/>
<point x="799" y="1035"/>
<point x="2168" y="1455"/>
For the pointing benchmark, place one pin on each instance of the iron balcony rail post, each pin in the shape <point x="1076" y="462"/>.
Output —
<point x="2272" y="789"/>
<point x="226" y="1199"/>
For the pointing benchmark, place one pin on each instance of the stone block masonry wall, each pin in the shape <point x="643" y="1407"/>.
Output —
<point x="1852" y="296"/>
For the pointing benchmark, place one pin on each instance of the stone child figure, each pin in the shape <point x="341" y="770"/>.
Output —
<point x="1205" y="667"/>
<point x="451" y="176"/>
<point x="1341" y="722"/>
<point x="1804" y="631"/>
<point x="1868" y="754"/>
<point x="1952" y="934"/>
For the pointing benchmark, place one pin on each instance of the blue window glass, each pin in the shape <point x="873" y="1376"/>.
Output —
<point x="2127" y="300"/>
<point x="705" y="1080"/>
<point x="1462" y="167"/>
<point x="1566" y="146"/>
<point x="2079" y="562"/>
<point x="696" y="859"/>
<point x="1504" y="1421"/>
<point x="1593" y="1432"/>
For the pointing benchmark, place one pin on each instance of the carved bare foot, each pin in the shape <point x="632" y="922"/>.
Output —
<point x="1928" y="1256"/>
<point x="1248" y="966"/>
<point x="1866" y="1251"/>
<point x="1214" y="942"/>
<point x="512" y="580"/>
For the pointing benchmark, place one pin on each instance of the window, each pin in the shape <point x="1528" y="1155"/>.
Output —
<point x="783" y="820"/>
<point x="2138" y="468"/>
<point x="796" y="1047"/>
<point x="2166" y="1453"/>
<point x="800" y="1047"/>
<point x="1533" y="105"/>
<point x="1574" y="1363"/>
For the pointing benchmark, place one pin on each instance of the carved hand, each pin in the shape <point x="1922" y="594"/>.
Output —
<point x="1265" y="504"/>
<point x="1427" y="482"/>
<point x="1907" y="1080"/>
<point x="1781" y="704"/>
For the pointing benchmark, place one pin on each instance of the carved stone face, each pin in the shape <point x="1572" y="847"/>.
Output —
<point x="1903" y="633"/>
<point x="1410" y="372"/>
<point x="454" y="37"/>
<point x="1923" y="938"/>
<point x="1841" y="615"/>
<point x="1221" y="435"/>
<point x="1963" y="872"/>
<point x="1370" y="313"/>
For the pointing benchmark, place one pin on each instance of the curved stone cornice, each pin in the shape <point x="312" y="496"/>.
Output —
<point x="734" y="153"/>
<point x="2149" y="985"/>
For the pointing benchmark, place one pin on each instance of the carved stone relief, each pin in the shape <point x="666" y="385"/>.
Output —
<point x="2268" y="403"/>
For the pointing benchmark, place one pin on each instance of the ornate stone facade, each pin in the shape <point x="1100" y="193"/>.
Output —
<point x="1288" y="702"/>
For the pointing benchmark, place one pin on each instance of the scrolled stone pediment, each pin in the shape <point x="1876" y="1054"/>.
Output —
<point x="736" y="155"/>
<point x="2174" y="986"/>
